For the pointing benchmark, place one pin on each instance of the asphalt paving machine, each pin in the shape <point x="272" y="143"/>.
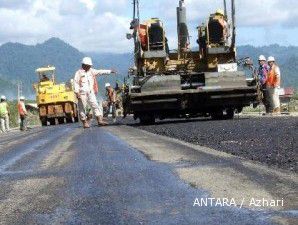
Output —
<point x="186" y="83"/>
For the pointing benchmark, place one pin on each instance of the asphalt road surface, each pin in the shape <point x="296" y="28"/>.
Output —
<point x="269" y="140"/>
<point x="67" y="175"/>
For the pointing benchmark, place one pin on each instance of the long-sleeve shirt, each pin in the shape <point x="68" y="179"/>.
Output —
<point x="3" y="109"/>
<point x="85" y="82"/>
<point x="273" y="79"/>
<point x="22" y="108"/>
<point x="111" y="94"/>
<point x="263" y="73"/>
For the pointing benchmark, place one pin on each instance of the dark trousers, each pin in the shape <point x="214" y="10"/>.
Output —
<point x="108" y="108"/>
<point x="265" y="99"/>
<point x="23" y="123"/>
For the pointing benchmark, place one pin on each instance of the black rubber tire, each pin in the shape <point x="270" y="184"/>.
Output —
<point x="147" y="120"/>
<point x="70" y="119"/>
<point x="217" y="115"/>
<point x="44" y="122"/>
<point x="230" y="114"/>
<point x="61" y="120"/>
<point x="52" y="122"/>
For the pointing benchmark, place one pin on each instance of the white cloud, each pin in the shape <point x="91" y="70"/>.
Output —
<point x="90" y="4"/>
<point x="14" y="4"/>
<point x="100" y="25"/>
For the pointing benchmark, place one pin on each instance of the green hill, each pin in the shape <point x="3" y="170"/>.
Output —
<point x="8" y="88"/>
<point x="286" y="57"/>
<point x="18" y="62"/>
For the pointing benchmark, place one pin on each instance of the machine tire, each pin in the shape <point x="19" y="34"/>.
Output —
<point x="70" y="119"/>
<point x="52" y="122"/>
<point x="61" y="120"/>
<point x="217" y="115"/>
<point x="147" y="119"/>
<point x="44" y="122"/>
<point x="230" y="114"/>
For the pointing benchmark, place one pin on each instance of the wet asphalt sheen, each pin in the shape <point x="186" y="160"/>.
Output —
<point x="64" y="175"/>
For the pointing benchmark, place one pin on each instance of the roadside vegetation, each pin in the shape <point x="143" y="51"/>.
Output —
<point x="33" y="118"/>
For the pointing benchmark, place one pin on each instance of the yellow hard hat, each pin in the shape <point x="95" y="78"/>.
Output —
<point x="220" y="12"/>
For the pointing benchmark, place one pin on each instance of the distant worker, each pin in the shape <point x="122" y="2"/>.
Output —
<point x="4" y="115"/>
<point x="263" y="74"/>
<point x="111" y="100"/>
<point x="86" y="88"/>
<point x="223" y="22"/>
<point x="44" y="78"/>
<point x="273" y="85"/>
<point x="22" y="113"/>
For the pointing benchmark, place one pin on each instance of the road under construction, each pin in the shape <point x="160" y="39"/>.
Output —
<point x="203" y="162"/>
<point x="130" y="174"/>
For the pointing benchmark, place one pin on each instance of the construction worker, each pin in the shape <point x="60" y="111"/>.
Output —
<point x="4" y="115"/>
<point x="111" y="100"/>
<point x="44" y="78"/>
<point x="273" y="84"/>
<point x="86" y="88"/>
<point x="22" y="113"/>
<point x="262" y="74"/>
<point x="223" y="22"/>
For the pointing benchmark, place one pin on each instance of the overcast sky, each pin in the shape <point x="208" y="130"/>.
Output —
<point x="101" y="25"/>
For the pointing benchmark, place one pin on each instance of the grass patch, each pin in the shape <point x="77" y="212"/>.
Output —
<point x="33" y="118"/>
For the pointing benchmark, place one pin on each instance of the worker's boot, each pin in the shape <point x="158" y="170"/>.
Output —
<point x="100" y="121"/>
<point x="85" y="124"/>
<point x="89" y="117"/>
<point x="277" y="110"/>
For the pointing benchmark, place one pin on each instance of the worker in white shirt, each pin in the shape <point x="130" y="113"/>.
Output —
<point x="86" y="88"/>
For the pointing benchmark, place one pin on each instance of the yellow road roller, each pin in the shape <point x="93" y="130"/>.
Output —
<point x="57" y="103"/>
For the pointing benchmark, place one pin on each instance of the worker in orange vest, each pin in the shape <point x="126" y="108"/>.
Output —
<point x="22" y="113"/>
<point x="86" y="88"/>
<point x="273" y="85"/>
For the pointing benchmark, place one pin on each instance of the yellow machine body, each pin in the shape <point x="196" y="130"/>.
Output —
<point x="57" y="102"/>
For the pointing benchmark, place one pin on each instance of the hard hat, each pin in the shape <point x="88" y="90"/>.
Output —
<point x="271" y="59"/>
<point x="220" y="12"/>
<point x="107" y="85"/>
<point x="262" y="58"/>
<point x="87" y="61"/>
<point x="3" y="97"/>
<point x="22" y="98"/>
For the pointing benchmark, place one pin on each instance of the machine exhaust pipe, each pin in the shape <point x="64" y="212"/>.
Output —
<point x="182" y="29"/>
<point x="234" y="24"/>
<point x="225" y="7"/>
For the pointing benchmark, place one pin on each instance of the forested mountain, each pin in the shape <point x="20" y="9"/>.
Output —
<point x="286" y="57"/>
<point x="18" y="62"/>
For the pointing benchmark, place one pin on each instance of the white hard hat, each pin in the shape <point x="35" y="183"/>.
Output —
<point x="107" y="85"/>
<point x="262" y="58"/>
<point x="3" y="97"/>
<point x="220" y="12"/>
<point x="22" y="98"/>
<point x="87" y="61"/>
<point x="271" y="59"/>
